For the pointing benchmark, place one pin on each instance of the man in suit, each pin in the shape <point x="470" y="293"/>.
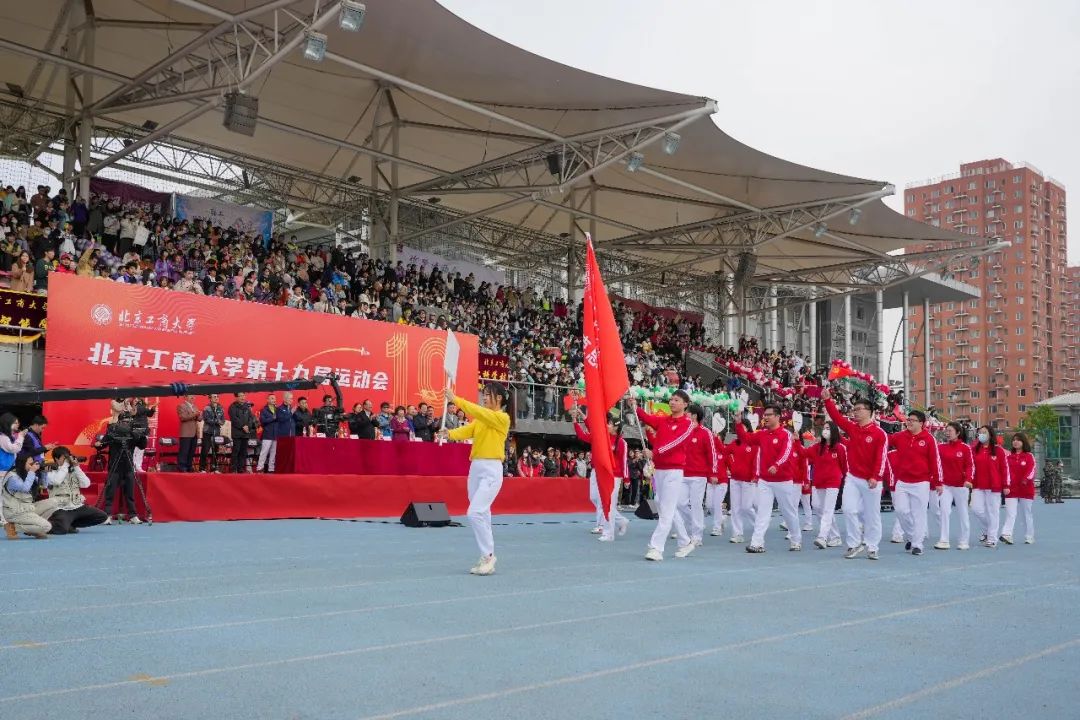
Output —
<point x="242" y="421"/>
<point x="189" y="422"/>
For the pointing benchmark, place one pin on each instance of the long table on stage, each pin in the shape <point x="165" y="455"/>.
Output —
<point x="251" y="496"/>
<point x="345" y="456"/>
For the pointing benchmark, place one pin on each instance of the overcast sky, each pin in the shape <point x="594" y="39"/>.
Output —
<point x="896" y="91"/>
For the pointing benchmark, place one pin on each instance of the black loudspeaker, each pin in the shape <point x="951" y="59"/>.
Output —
<point x="648" y="510"/>
<point x="426" y="514"/>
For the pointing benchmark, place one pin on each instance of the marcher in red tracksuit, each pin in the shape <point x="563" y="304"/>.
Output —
<point x="991" y="480"/>
<point x="916" y="466"/>
<point x="775" y="445"/>
<point x="866" y="468"/>
<point x="957" y="476"/>
<point x="828" y="464"/>
<point x="1022" y="493"/>
<point x="701" y="468"/>
<point x="615" y="522"/>
<point x="742" y="461"/>
<point x="717" y="488"/>
<point x="672" y="433"/>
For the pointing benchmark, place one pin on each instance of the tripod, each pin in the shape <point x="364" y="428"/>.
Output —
<point x="113" y="478"/>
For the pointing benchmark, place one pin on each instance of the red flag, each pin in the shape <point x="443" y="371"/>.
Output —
<point x="606" y="380"/>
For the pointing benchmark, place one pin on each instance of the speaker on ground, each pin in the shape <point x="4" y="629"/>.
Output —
<point x="648" y="510"/>
<point x="426" y="514"/>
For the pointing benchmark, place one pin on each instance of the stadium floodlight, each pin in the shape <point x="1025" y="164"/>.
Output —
<point x="671" y="143"/>
<point x="352" y="15"/>
<point x="315" y="47"/>
<point x="820" y="229"/>
<point x="635" y="161"/>
<point x="854" y="216"/>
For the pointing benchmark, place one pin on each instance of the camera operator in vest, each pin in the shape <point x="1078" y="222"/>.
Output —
<point x="328" y="417"/>
<point x="66" y="483"/>
<point x="122" y="438"/>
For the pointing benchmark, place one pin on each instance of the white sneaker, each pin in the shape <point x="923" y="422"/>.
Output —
<point x="717" y="532"/>
<point x="835" y="542"/>
<point x="737" y="539"/>
<point x="963" y="546"/>
<point x="941" y="545"/>
<point x="896" y="540"/>
<point x="134" y="520"/>
<point x="606" y="538"/>
<point x="795" y="547"/>
<point x="783" y="525"/>
<point x="696" y="543"/>
<point x="1029" y="541"/>
<point x="685" y="550"/>
<point x="108" y="520"/>
<point x="673" y="536"/>
<point x="486" y="566"/>
<point x="475" y="567"/>
<point x="820" y="544"/>
<point x="621" y="526"/>
<point x="807" y="527"/>
<point x="1007" y="539"/>
<point x="597" y="530"/>
<point x="654" y="554"/>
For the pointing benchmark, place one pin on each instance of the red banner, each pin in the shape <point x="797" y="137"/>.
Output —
<point x="109" y="334"/>
<point x="494" y="367"/>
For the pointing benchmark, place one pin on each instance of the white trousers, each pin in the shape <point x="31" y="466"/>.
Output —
<point x="485" y="480"/>
<point x="806" y="504"/>
<point x="743" y="497"/>
<point x="986" y="506"/>
<point x="824" y="505"/>
<point x="671" y="492"/>
<point x="910" y="501"/>
<point x="959" y="496"/>
<point x="606" y="525"/>
<point x="714" y="500"/>
<point x="137" y="458"/>
<point x="267" y="453"/>
<point x="787" y="497"/>
<point x="693" y="509"/>
<point x="862" y="504"/>
<point x="1011" y="505"/>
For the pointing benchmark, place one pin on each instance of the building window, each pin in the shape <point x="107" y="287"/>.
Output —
<point x="1019" y="316"/>
<point x="1017" y="179"/>
<point x="1022" y="392"/>
<point x="989" y="184"/>
<point x="1019" y="331"/>
<point x="937" y="381"/>
<point x="973" y="215"/>
<point x="1021" y="362"/>
<point x="971" y="186"/>
<point x="1018" y="224"/>
<point x="1020" y="300"/>
<point x="1019" y="209"/>
<point x="911" y="198"/>
<point x="1019" y="346"/>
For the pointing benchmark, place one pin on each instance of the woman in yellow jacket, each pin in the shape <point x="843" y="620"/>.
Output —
<point x="488" y="429"/>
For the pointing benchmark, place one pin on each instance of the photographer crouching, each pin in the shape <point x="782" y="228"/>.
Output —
<point x="122" y="438"/>
<point x="22" y="514"/>
<point x="66" y="483"/>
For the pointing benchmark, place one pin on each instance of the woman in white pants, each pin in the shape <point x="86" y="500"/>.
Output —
<point x="717" y="488"/>
<point x="1022" y="492"/>
<point x="742" y="460"/>
<point x="957" y="476"/>
<point x="615" y="522"/>
<point x="991" y="480"/>
<point x="701" y="469"/>
<point x="488" y="430"/>
<point x="828" y="464"/>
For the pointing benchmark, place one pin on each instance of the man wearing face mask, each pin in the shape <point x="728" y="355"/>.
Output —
<point x="917" y="467"/>
<point x="867" y="451"/>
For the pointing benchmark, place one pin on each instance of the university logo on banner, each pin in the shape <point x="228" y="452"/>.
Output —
<point x="108" y="334"/>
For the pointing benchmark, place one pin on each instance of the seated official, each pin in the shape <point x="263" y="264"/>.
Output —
<point x="21" y="513"/>
<point x="65" y="485"/>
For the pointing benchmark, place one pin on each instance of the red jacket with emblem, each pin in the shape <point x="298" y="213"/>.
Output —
<point x="1022" y="473"/>
<point x="701" y="454"/>
<point x="775" y="448"/>
<point x="742" y="460"/>
<point x="829" y="464"/>
<point x="957" y="464"/>
<point x="916" y="458"/>
<point x="866" y="446"/>
<point x="618" y="446"/>
<point x="991" y="471"/>
<point x="721" y="459"/>
<point x="670" y="440"/>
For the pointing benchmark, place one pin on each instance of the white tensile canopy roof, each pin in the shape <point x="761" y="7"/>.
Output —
<point x="419" y="104"/>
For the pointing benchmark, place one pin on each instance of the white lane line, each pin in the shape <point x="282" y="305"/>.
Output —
<point x="644" y="665"/>
<point x="501" y="631"/>
<point x="35" y="645"/>
<point x="958" y="681"/>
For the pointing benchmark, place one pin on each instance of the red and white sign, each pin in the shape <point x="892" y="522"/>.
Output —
<point x="110" y="334"/>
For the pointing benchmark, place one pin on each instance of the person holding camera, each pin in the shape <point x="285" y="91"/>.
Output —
<point x="242" y="422"/>
<point x="328" y="417"/>
<point x="141" y="423"/>
<point x="213" y="417"/>
<point x="65" y="485"/>
<point x="21" y="512"/>
<point x="122" y="438"/>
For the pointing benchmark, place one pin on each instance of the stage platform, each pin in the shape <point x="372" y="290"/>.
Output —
<point x="256" y="496"/>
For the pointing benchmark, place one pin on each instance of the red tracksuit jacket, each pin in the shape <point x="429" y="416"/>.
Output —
<point x="866" y="445"/>
<point x="622" y="469"/>
<point x="701" y="454"/>
<point x="991" y="472"/>
<point x="916" y="458"/>
<point x="829" y="464"/>
<point x="774" y="451"/>
<point x="957" y="463"/>
<point x="742" y="460"/>
<point x="669" y="443"/>
<point x="1022" y="474"/>
<point x="721" y="460"/>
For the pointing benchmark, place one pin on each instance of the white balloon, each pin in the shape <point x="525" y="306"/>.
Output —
<point x="796" y="420"/>
<point x="718" y="423"/>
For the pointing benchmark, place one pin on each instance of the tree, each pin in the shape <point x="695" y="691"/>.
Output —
<point x="1040" y="422"/>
